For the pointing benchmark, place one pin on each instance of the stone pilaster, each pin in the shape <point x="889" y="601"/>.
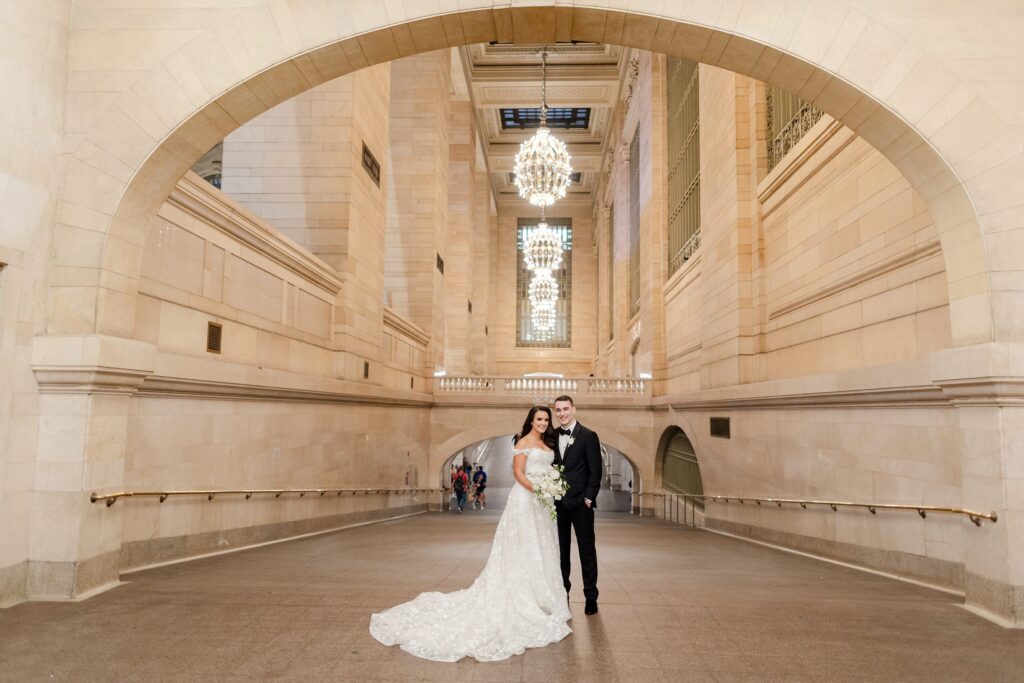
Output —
<point x="729" y="339"/>
<point x="986" y="384"/>
<point x="86" y="384"/>
<point x="458" y="282"/>
<point x="417" y="211"/>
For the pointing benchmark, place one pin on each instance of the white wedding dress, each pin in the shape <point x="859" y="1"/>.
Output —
<point x="517" y="602"/>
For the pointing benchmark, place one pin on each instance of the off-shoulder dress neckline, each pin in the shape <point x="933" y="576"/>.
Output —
<point x="533" y="448"/>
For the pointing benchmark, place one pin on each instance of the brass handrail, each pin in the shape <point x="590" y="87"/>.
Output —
<point x="922" y="510"/>
<point x="210" y="494"/>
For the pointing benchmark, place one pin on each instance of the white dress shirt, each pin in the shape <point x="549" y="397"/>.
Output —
<point x="563" y="439"/>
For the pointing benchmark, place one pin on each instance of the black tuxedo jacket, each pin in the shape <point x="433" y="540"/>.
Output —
<point x="583" y="467"/>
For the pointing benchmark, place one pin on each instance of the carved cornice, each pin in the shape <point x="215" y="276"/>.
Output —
<point x="90" y="364"/>
<point x="405" y="327"/>
<point x="685" y="352"/>
<point x="891" y="397"/>
<point x="990" y="374"/>
<point x="186" y="387"/>
<point x="195" y="196"/>
<point x="985" y="391"/>
<point x="772" y="191"/>
<point x="918" y="253"/>
<point x="84" y="379"/>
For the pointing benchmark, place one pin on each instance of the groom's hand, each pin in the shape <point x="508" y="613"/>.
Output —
<point x="588" y="502"/>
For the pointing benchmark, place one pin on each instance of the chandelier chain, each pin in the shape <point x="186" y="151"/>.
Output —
<point x="542" y="175"/>
<point x="544" y="86"/>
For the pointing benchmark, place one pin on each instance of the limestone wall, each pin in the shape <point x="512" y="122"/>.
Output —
<point x="275" y="304"/>
<point x="293" y="166"/>
<point x="192" y="443"/>
<point x="274" y="408"/>
<point x="891" y="445"/>
<point x="806" y="317"/>
<point x="33" y="115"/>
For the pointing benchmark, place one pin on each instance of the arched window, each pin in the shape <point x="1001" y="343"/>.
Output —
<point x="680" y="471"/>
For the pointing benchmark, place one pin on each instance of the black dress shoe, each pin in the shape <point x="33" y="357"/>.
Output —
<point x="591" y="607"/>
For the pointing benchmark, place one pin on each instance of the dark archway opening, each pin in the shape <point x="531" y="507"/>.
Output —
<point x="621" y="477"/>
<point x="680" y="470"/>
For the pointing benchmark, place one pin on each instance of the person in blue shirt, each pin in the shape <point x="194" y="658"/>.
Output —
<point x="480" y="481"/>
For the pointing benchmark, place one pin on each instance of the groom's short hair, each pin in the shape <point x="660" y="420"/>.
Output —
<point x="565" y="397"/>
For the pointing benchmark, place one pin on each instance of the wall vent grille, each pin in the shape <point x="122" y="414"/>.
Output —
<point x="720" y="427"/>
<point x="214" y="335"/>
<point x="371" y="165"/>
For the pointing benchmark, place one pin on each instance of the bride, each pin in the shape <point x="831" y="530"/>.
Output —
<point x="518" y="600"/>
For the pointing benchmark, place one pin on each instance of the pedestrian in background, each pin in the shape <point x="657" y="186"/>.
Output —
<point x="460" y="485"/>
<point x="480" y="492"/>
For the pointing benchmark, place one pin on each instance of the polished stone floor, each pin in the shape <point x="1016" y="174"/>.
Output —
<point x="676" y="604"/>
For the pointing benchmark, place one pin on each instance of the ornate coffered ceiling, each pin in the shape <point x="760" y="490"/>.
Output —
<point x="509" y="76"/>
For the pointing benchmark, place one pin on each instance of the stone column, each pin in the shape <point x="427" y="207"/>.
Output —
<point x="359" y="316"/>
<point x="654" y="226"/>
<point x="417" y="211"/>
<point x="485" y="225"/>
<point x="86" y="384"/>
<point x="730" y="341"/>
<point x="458" y="281"/>
<point x="986" y="384"/>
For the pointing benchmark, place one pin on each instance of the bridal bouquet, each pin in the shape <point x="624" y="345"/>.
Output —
<point x="549" y="486"/>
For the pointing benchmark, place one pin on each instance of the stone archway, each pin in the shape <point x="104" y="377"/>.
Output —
<point x="442" y="452"/>
<point x="132" y="137"/>
<point x="664" y="443"/>
<point x="622" y="496"/>
<point x="900" y="96"/>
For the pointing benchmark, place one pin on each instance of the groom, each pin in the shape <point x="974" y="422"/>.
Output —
<point x="579" y="452"/>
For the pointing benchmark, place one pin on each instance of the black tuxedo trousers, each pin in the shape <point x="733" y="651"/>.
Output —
<point x="582" y="463"/>
<point x="582" y="520"/>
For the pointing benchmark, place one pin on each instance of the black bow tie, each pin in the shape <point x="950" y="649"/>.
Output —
<point x="562" y="430"/>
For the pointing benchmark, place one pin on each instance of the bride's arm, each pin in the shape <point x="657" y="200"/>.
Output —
<point x="519" y="470"/>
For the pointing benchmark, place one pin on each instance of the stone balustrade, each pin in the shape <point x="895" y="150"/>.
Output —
<point x="544" y="389"/>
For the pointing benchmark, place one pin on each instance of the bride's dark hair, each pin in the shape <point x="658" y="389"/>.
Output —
<point x="549" y="437"/>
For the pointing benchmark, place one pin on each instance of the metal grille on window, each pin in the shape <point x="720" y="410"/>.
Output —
<point x="684" y="161"/>
<point x="680" y="471"/>
<point x="526" y="336"/>
<point x="634" y="225"/>
<point x="788" y="119"/>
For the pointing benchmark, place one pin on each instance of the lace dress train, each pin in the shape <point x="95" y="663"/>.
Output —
<point x="516" y="602"/>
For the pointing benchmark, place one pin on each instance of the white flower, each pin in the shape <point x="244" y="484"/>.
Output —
<point x="549" y="486"/>
<point x="572" y="440"/>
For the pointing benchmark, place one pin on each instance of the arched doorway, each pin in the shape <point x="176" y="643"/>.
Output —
<point x="680" y="470"/>
<point x="494" y="455"/>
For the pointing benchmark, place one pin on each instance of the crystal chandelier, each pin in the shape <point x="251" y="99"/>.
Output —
<point x="543" y="322"/>
<point x="542" y="251"/>
<point x="543" y="291"/>
<point x="542" y="166"/>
